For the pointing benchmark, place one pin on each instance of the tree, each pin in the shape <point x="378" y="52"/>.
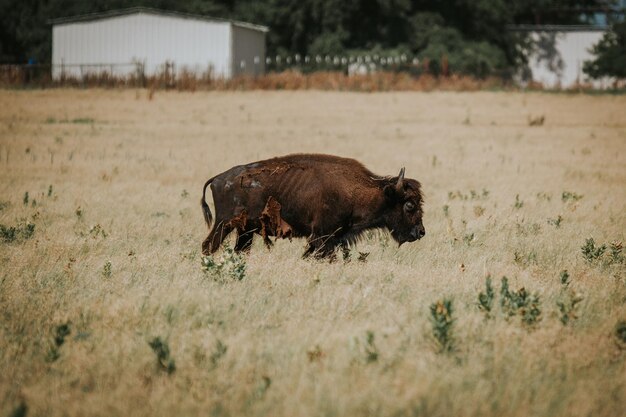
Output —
<point x="610" y="53"/>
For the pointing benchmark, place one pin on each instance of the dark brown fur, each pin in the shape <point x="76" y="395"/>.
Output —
<point x="327" y="199"/>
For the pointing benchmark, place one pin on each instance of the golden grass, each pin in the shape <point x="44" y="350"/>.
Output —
<point x="295" y="331"/>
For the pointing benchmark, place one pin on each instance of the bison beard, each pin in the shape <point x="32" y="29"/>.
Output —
<point x="327" y="199"/>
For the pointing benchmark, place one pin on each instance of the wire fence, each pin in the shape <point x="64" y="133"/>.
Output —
<point x="365" y="72"/>
<point x="168" y="73"/>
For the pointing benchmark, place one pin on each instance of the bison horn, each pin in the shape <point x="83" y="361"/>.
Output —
<point x="400" y="179"/>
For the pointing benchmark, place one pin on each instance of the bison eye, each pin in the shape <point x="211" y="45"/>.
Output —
<point x="409" y="206"/>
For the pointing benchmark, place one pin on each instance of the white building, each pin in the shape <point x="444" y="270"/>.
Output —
<point x="121" y="42"/>
<point x="558" y="53"/>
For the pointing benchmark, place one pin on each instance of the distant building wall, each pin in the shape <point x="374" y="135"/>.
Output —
<point x="557" y="57"/>
<point x="152" y="39"/>
<point x="248" y="51"/>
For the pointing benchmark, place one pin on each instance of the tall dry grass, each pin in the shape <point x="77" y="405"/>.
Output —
<point x="105" y="309"/>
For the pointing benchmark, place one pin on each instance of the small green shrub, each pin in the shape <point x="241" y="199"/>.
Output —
<point x="556" y="222"/>
<point x="366" y="348"/>
<point x="50" y="191"/>
<point x="468" y="238"/>
<point x="525" y="259"/>
<point x="591" y="252"/>
<point x="25" y="199"/>
<point x="567" y="301"/>
<point x="441" y="321"/>
<point x="58" y="338"/>
<point x="162" y="352"/>
<point x="83" y="120"/>
<point x="472" y="195"/>
<point x="97" y="230"/>
<point x="23" y="231"/>
<point x="20" y="411"/>
<point x="620" y="333"/>
<point x="520" y="303"/>
<point x="544" y="196"/>
<point x="598" y="255"/>
<point x="218" y="353"/>
<point x="570" y="196"/>
<point x="231" y="265"/>
<point x="518" y="203"/>
<point x="371" y="351"/>
<point x="106" y="269"/>
<point x="485" y="299"/>
<point x="616" y="255"/>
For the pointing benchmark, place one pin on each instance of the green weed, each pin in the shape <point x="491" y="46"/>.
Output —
<point x="218" y="353"/>
<point x="83" y="120"/>
<point x="23" y="231"/>
<point x="525" y="259"/>
<point x="58" y="338"/>
<point x="231" y="265"/>
<point x="468" y="238"/>
<point x="620" y="334"/>
<point x="520" y="303"/>
<point x="616" y="255"/>
<point x="472" y="195"/>
<point x="97" y="230"/>
<point x="597" y="254"/>
<point x="591" y="252"/>
<point x="441" y="321"/>
<point x="485" y="299"/>
<point x="556" y="222"/>
<point x="570" y="196"/>
<point x="162" y="352"/>
<point x="106" y="269"/>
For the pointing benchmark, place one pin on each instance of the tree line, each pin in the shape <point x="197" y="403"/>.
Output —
<point x="464" y="36"/>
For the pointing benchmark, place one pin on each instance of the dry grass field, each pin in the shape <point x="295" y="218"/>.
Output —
<point x="105" y="309"/>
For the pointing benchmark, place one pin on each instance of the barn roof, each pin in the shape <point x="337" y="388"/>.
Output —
<point x="149" y="10"/>
<point x="557" y="28"/>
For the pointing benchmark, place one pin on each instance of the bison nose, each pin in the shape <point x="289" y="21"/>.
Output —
<point x="417" y="232"/>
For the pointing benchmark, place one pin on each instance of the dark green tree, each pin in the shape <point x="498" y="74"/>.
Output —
<point x="610" y="54"/>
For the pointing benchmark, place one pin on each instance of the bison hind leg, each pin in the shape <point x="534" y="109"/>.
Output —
<point x="215" y="238"/>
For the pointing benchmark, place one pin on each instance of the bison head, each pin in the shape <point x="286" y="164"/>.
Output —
<point x="404" y="214"/>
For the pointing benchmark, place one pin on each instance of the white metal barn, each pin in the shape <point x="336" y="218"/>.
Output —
<point x="558" y="54"/>
<point x="121" y="42"/>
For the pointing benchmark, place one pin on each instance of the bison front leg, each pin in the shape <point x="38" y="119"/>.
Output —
<point x="322" y="248"/>
<point x="244" y="240"/>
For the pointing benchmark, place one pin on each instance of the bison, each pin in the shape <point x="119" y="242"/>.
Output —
<point x="327" y="199"/>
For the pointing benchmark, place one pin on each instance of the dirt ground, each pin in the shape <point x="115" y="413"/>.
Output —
<point x="105" y="308"/>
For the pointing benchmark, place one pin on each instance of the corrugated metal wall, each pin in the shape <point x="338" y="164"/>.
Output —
<point x="248" y="51"/>
<point x="190" y="43"/>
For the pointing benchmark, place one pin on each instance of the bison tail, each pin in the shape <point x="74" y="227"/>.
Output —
<point x="208" y="217"/>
